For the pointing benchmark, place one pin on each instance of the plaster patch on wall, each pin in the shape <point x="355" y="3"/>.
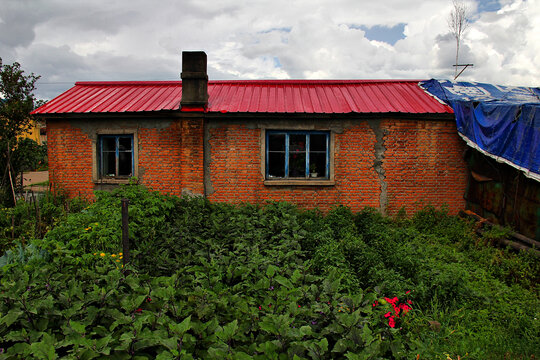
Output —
<point x="91" y="127"/>
<point x="380" y="150"/>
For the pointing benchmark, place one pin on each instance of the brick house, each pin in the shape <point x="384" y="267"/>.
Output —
<point x="384" y="144"/>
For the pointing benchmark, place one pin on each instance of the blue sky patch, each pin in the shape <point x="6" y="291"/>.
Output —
<point x="488" y="5"/>
<point x="383" y="33"/>
<point x="280" y="29"/>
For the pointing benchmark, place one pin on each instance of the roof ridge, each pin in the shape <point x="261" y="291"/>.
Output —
<point x="315" y="81"/>
<point x="129" y="83"/>
<point x="252" y="82"/>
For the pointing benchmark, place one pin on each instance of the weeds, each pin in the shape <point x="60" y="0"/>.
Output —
<point x="214" y="280"/>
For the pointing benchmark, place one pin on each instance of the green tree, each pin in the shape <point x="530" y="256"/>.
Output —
<point x="16" y="102"/>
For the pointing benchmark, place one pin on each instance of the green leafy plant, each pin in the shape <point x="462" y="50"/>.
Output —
<point x="221" y="281"/>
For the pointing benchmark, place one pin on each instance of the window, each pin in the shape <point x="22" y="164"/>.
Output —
<point x="115" y="156"/>
<point x="297" y="155"/>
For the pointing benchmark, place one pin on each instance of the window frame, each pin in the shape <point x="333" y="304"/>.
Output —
<point x="97" y="155"/>
<point x="117" y="152"/>
<point x="328" y="179"/>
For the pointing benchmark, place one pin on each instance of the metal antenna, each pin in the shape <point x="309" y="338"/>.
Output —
<point x="462" y="70"/>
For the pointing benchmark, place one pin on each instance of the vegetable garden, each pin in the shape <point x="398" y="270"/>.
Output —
<point x="221" y="281"/>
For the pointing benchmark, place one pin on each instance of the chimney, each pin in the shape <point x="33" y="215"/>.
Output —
<point x="194" y="81"/>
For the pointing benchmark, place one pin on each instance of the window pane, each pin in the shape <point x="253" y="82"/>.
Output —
<point x="124" y="164"/>
<point x="297" y="164"/>
<point x="124" y="143"/>
<point x="297" y="143"/>
<point x="109" y="164"/>
<point x="276" y="142"/>
<point x="276" y="165"/>
<point x="317" y="142"/>
<point x="109" y="144"/>
<point x="317" y="163"/>
<point x="290" y="149"/>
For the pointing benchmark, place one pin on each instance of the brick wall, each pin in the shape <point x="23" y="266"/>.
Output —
<point x="160" y="158"/>
<point x="236" y="174"/>
<point x="192" y="156"/>
<point x="424" y="165"/>
<point x="163" y="164"/>
<point x="421" y="164"/>
<point x="70" y="159"/>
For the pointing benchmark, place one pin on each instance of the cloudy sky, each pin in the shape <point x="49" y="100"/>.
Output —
<point x="73" y="40"/>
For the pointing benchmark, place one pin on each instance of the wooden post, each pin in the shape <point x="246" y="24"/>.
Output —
<point x="38" y="216"/>
<point x="125" y="231"/>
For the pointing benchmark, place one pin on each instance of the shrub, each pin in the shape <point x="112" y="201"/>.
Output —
<point x="211" y="280"/>
<point x="32" y="219"/>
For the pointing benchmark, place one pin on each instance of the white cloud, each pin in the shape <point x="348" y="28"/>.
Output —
<point x="66" y="41"/>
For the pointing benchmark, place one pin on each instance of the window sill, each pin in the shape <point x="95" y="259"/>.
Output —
<point x="112" y="181"/>
<point x="300" y="182"/>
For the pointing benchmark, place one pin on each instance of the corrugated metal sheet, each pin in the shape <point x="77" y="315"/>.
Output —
<point x="268" y="96"/>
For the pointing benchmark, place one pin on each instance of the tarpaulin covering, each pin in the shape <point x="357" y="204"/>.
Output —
<point x="502" y="122"/>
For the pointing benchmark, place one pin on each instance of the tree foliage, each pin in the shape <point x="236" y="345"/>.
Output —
<point x="16" y="102"/>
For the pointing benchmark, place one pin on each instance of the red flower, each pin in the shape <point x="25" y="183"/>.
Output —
<point x="149" y="299"/>
<point x="139" y="310"/>
<point x="299" y="306"/>
<point x="260" y="307"/>
<point x="392" y="301"/>
<point x="388" y="314"/>
<point x="391" y="322"/>
<point x="408" y="291"/>
<point x="405" y="308"/>
<point x="375" y="303"/>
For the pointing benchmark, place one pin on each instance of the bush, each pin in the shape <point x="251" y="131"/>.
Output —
<point x="34" y="218"/>
<point x="212" y="280"/>
<point x="241" y="289"/>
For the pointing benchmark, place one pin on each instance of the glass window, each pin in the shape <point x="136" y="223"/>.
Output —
<point x="297" y="154"/>
<point x="115" y="155"/>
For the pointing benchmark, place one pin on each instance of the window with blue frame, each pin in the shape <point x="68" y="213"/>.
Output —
<point x="115" y="156"/>
<point x="297" y="154"/>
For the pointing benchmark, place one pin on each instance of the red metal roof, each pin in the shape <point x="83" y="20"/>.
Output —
<point x="251" y="96"/>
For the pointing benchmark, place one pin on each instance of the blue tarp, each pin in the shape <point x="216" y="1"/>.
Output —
<point x="501" y="121"/>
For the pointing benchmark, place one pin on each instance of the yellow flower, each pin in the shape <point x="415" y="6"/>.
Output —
<point x="121" y="257"/>
<point x="113" y="255"/>
<point x="117" y="260"/>
<point x="120" y="254"/>
<point x="95" y="253"/>
<point x="102" y="254"/>
<point x="88" y="228"/>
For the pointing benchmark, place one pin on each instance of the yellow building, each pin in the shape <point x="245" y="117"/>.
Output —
<point x="36" y="132"/>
